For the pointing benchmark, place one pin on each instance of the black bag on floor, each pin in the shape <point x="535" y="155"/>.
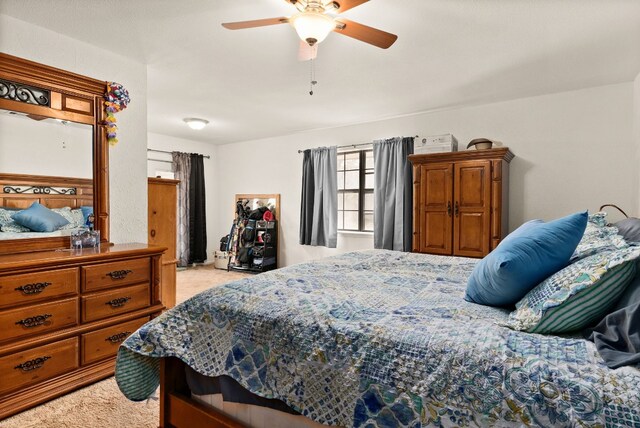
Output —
<point x="224" y="242"/>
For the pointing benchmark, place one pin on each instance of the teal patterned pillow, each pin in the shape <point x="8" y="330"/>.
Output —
<point x="578" y="295"/>
<point x="598" y="236"/>
<point x="73" y="216"/>
<point x="8" y="225"/>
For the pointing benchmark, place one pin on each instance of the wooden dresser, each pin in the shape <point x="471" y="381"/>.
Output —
<point x="163" y="223"/>
<point x="63" y="316"/>
<point x="460" y="201"/>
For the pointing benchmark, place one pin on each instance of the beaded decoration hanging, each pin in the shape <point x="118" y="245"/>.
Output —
<point x="116" y="99"/>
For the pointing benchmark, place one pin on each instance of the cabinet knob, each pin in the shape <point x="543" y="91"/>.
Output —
<point x="457" y="209"/>
<point x="449" y="208"/>
<point x="153" y="233"/>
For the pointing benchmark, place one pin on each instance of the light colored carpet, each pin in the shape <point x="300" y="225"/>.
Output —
<point x="101" y="405"/>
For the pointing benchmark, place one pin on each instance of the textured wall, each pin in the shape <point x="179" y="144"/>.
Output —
<point x="574" y="150"/>
<point x="128" y="185"/>
<point x="636" y="124"/>
<point x="164" y="142"/>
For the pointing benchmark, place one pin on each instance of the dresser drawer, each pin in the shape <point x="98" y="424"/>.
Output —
<point x="110" y="303"/>
<point x="108" y="275"/>
<point x="104" y="343"/>
<point x="33" y="287"/>
<point x="35" y="319"/>
<point x="37" y="364"/>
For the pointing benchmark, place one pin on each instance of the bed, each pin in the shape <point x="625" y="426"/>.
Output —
<point x="19" y="191"/>
<point x="377" y="339"/>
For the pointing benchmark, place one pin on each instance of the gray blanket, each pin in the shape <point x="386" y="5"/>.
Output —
<point x="617" y="336"/>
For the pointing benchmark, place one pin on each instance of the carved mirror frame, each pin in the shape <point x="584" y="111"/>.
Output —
<point x="71" y="97"/>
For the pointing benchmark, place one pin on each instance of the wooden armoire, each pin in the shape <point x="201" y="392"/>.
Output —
<point x="460" y="201"/>
<point x="163" y="220"/>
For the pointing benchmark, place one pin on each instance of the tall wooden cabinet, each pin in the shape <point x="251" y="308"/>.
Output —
<point x="460" y="201"/>
<point x="163" y="220"/>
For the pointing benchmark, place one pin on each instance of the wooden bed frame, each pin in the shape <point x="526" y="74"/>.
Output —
<point x="21" y="190"/>
<point x="178" y="409"/>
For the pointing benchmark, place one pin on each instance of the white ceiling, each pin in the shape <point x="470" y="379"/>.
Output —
<point x="249" y="83"/>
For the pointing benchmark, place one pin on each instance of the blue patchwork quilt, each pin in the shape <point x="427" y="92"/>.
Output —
<point x="382" y="339"/>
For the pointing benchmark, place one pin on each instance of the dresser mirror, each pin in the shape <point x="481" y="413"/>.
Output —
<point x="53" y="152"/>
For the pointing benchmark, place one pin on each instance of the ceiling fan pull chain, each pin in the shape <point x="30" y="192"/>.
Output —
<point x="312" y="75"/>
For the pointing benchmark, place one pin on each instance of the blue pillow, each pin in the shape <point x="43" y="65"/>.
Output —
<point x="523" y="259"/>
<point x="86" y="212"/>
<point x="39" y="218"/>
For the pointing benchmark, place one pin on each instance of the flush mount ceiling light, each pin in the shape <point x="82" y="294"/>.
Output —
<point x="195" y="123"/>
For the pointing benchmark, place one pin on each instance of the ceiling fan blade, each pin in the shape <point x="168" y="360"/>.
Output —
<point x="343" y="5"/>
<point x="256" y="23"/>
<point x="361" y="32"/>
<point x="306" y="52"/>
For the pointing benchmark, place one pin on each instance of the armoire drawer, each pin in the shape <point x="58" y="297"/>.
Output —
<point x="34" y="287"/>
<point x="104" y="305"/>
<point x="37" y="364"/>
<point x="36" y="319"/>
<point x="104" y="343"/>
<point x="115" y="274"/>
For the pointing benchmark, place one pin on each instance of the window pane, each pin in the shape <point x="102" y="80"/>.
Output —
<point x="368" y="221"/>
<point x="351" y="201"/>
<point x="368" y="181"/>
<point x="340" y="162"/>
<point x="340" y="220"/>
<point x="341" y="181"/>
<point x="369" y="162"/>
<point x="368" y="201"/>
<point x="352" y="180"/>
<point x="352" y="160"/>
<point x="340" y="201"/>
<point x="351" y="220"/>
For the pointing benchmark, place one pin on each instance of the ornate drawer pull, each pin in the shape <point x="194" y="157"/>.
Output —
<point x="34" y="321"/>
<point x="119" y="274"/>
<point x="35" y="288"/>
<point x="119" y="302"/>
<point x="117" y="338"/>
<point x="34" y="364"/>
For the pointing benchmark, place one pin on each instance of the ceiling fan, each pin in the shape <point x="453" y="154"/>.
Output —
<point x="314" y="21"/>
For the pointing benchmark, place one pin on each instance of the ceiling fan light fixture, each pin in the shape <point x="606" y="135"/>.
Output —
<point x="195" y="123"/>
<point x="312" y="27"/>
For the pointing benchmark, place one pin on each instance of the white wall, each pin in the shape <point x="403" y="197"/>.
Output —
<point x="127" y="167"/>
<point x="164" y="142"/>
<point x="45" y="147"/>
<point x="574" y="150"/>
<point x="636" y="123"/>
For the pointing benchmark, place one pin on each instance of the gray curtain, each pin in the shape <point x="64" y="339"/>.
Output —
<point x="319" y="206"/>
<point x="393" y="194"/>
<point x="182" y="170"/>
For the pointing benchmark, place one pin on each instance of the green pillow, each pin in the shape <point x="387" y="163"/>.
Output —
<point x="577" y="296"/>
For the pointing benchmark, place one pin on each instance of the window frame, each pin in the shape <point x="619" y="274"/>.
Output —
<point x="362" y="190"/>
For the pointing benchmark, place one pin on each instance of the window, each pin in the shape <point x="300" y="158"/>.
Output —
<point x="355" y="191"/>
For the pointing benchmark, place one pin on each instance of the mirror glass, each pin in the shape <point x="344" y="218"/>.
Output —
<point x="44" y="160"/>
<point x="38" y="145"/>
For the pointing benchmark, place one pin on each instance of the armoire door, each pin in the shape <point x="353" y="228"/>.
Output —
<point x="436" y="184"/>
<point x="162" y="211"/>
<point x="472" y="208"/>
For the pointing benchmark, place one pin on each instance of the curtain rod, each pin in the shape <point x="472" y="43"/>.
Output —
<point x="159" y="160"/>
<point x="165" y="151"/>
<point x="353" y="145"/>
